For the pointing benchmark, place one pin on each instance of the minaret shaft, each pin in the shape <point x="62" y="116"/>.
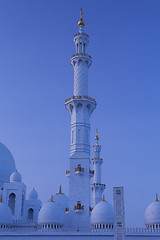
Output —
<point x="97" y="187"/>
<point x="80" y="107"/>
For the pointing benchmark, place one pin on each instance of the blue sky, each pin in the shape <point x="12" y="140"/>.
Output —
<point x="36" y="43"/>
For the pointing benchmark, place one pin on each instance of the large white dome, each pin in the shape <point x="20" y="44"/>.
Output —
<point x="5" y="214"/>
<point x="102" y="213"/>
<point x="7" y="165"/>
<point x="51" y="213"/>
<point x="152" y="213"/>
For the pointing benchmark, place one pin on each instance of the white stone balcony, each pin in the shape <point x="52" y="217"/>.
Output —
<point x="79" y="170"/>
<point x="78" y="208"/>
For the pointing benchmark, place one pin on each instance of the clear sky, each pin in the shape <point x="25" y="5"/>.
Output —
<point x="36" y="43"/>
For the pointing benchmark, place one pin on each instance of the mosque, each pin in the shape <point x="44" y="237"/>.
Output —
<point x="76" y="216"/>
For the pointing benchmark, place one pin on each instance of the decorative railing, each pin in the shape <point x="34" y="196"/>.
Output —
<point x="79" y="207"/>
<point x="97" y="159"/>
<point x="99" y="184"/>
<point x="139" y="230"/>
<point x="85" y="34"/>
<point x="80" y="97"/>
<point x="79" y="169"/>
<point x="81" y="54"/>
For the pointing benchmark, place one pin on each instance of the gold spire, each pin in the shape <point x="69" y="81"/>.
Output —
<point x="156" y="198"/>
<point x="60" y="190"/>
<point x="81" y="21"/>
<point x="103" y="200"/>
<point x="96" y="137"/>
<point x="51" y="198"/>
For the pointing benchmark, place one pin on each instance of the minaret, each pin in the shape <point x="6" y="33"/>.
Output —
<point x="80" y="106"/>
<point x="97" y="187"/>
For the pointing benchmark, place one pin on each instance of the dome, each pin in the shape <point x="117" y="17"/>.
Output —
<point x="152" y="213"/>
<point x="15" y="177"/>
<point x="7" y="164"/>
<point x="102" y="213"/>
<point x="51" y="213"/>
<point x="33" y="194"/>
<point x="5" y="214"/>
<point x="61" y="199"/>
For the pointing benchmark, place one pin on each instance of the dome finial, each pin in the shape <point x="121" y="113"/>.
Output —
<point x="156" y="198"/>
<point x="51" y="198"/>
<point x="81" y="21"/>
<point x="103" y="200"/>
<point x="60" y="190"/>
<point x="96" y="137"/>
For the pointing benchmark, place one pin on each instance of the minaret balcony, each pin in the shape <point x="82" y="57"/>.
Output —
<point x="97" y="160"/>
<point x="98" y="186"/>
<point x="81" y="54"/>
<point x="67" y="173"/>
<point x="79" y="170"/>
<point x="91" y="173"/>
<point x="80" y="97"/>
<point x="78" y="208"/>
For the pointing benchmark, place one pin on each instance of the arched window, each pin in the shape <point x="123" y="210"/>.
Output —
<point x="30" y="214"/>
<point x="79" y="135"/>
<point x="22" y="205"/>
<point x="72" y="138"/>
<point x="11" y="202"/>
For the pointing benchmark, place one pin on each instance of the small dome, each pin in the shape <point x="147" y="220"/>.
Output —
<point x="152" y="213"/>
<point x="15" y="177"/>
<point x="33" y="194"/>
<point x="51" y="213"/>
<point x="102" y="213"/>
<point x="7" y="164"/>
<point x="61" y="199"/>
<point x="5" y="214"/>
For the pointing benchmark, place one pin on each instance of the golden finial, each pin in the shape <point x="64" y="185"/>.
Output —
<point x="81" y="21"/>
<point x="60" y="190"/>
<point x="96" y="137"/>
<point x="51" y="198"/>
<point x="103" y="200"/>
<point x="156" y="198"/>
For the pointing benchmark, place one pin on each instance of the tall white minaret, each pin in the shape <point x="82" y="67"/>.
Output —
<point x="97" y="187"/>
<point x="80" y="106"/>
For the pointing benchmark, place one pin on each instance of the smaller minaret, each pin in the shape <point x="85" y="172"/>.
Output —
<point x="97" y="187"/>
